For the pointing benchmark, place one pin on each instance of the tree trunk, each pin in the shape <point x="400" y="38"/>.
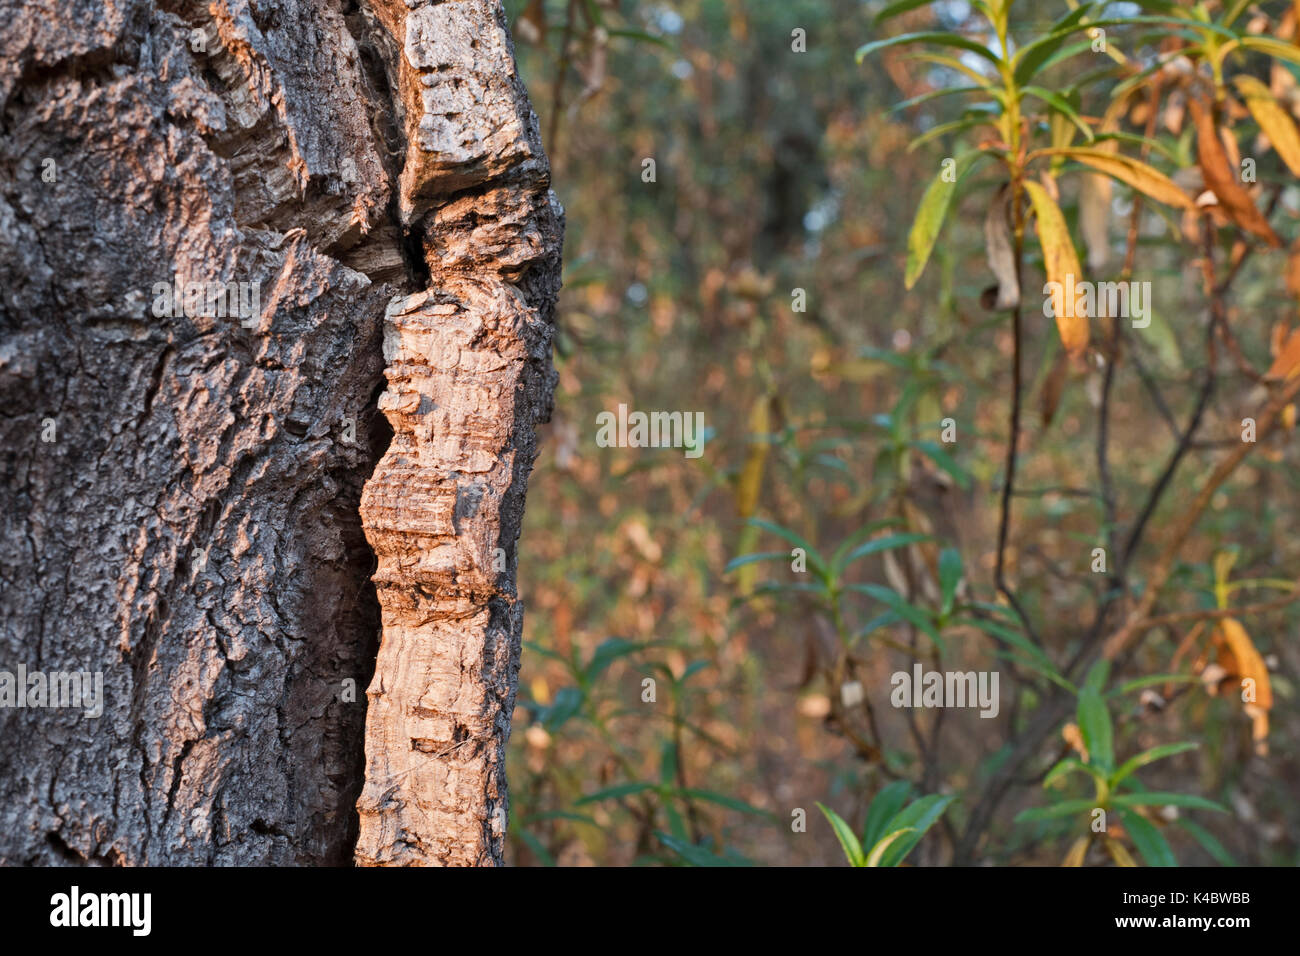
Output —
<point x="182" y="474"/>
<point x="469" y="376"/>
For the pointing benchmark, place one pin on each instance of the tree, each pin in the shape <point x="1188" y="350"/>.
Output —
<point x="218" y="222"/>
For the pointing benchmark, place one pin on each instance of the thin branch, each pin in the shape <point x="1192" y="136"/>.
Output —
<point x="1013" y="439"/>
<point x="1202" y="402"/>
<point x="1157" y="396"/>
<point x="1267" y="419"/>
<point x="1215" y="614"/>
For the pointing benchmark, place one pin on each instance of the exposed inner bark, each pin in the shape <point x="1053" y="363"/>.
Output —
<point x="469" y="377"/>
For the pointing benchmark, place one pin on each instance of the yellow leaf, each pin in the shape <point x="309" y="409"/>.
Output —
<point x="1145" y="179"/>
<point x="1221" y="176"/>
<point x="1063" y="272"/>
<point x="1249" y="663"/>
<point x="1287" y="363"/>
<point x="1078" y="850"/>
<point x="1272" y="119"/>
<point x="1118" y="853"/>
<point x="1241" y="660"/>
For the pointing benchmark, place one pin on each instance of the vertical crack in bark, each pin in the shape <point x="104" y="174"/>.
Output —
<point x="469" y="377"/>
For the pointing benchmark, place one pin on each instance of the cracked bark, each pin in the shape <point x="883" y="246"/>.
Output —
<point x="194" y="531"/>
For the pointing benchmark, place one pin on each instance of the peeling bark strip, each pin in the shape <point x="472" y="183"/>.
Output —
<point x="469" y="377"/>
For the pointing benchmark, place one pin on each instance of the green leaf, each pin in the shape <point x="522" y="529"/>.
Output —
<point x="933" y="95"/>
<point x="878" y="851"/>
<point x="1046" y="672"/>
<point x="880" y="544"/>
<point x="900" y="7"/>
<point x="814" y="557"/>
<point x="926" y="226"/>
<point x="777" y="587"/>
<point x="1207" y="839"/>
<point x="1098" y="674"/>
<point x="693" y="668"/>
<point x="608" y="652"/>
<point x="943" y="129"/>
<point x="722" y="800"/>
<point x="908" y="612"/>
<point x="755" y="558"/>
<point x="857" y="537"/>
<point x="1187" y="800"/>
<point x="1063" y="54"/>
<point x="875" y="624"/>
<point x="1148" y="839"/>
<point x="884" y="808"/>
<point x="676" y="824"/>
<point x="1094" y="724"/>
<point x="937" y="454"/>
<point x="1149" y="756"/>
<point x="1152" y="680"/>
<point x="1065" y="808"/>
<point x="698" y="855"/>
<point x="932" y="39"/>
<point x="667" y="763"/>
<point x="616" y="792"/>
<point x="849" y="842"/>
<point x="957" y="66"/>
<point x="1068" y="765"/>
<point x="1234" y="10"/>
<point x="1059" y="104"/>
<point x="1016" y="638"/>
<point x="567" y="703"/>
<point x="1030" y="58"/>
<point x="917" y="818"/>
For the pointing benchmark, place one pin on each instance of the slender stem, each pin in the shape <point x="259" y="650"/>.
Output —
<point x="1013" y="425"/>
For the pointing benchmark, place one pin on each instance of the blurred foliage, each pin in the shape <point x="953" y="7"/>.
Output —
<point x="710" y="641"/>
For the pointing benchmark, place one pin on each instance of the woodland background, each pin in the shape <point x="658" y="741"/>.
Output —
<point x="779" y="170"/>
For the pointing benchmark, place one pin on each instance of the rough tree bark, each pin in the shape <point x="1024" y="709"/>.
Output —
<point x="181" y="494"/>
<point x="469" y="376"/>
